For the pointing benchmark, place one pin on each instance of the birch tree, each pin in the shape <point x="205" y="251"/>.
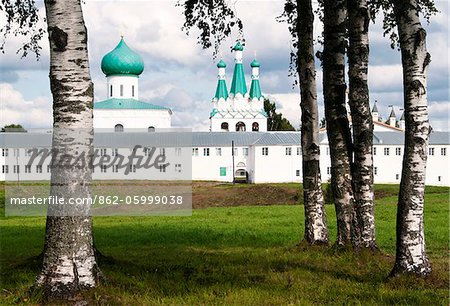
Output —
<point x="69" y="263"/>
<point x="300" y="19"/>
<point x="362" y="124"/>
<point x="338" y="130"/>
<point x="411" y="255"/>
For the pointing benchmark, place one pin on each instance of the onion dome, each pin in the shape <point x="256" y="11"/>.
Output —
<point x="238" y="47"/>
<point x="122" y="61"/>
<point x="221" y="64"/>
<point x="255" y="64"/>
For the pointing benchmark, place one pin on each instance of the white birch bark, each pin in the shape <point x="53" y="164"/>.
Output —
<point x="411" y="253"/>
<point x="362" y="174"/>
<point x="69" y="263"/>
<point x="316" y="231"/>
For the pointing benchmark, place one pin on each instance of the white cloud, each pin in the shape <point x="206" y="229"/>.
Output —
<point x="17" y="110"/>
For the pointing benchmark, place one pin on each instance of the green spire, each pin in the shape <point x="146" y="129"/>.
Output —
<point x="221" y="64"/>
<point x="221" y="91"/>
<point x="255" y="64"/>
<point x="238" y="84"/>
<point x="255" y="89"/>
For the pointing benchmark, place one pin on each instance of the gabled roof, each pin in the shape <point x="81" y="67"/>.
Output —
<point x="115" y="103"/>
<point x="375" y="108"/>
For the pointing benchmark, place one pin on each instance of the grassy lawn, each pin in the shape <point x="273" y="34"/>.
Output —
<point x="244" y="255"/>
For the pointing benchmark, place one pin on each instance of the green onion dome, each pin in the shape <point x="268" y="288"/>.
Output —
<point x="221" y="64"/>
<point x="122" y="61"/>
<point x="255" y="64"/>
<point x="238" y="47"/>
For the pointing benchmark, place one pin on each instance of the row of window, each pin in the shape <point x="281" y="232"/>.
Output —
<point x="206" y="151"/>
<point x="118" y="128"/>
<point x="103" y="168"/>
<point x="121" y="90"/>
<point x="240" y="126"/>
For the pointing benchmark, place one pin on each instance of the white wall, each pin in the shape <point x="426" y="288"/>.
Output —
<point x="131" y="118"/>
<point x="127" y="82"/>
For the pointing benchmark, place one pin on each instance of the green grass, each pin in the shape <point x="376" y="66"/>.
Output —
<point x="246" y="255"/>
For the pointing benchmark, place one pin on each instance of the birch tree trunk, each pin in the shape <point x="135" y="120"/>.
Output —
<point x="316" y="231"/>
<point x="362" y="174"/>
<point x="69" y="264"/>
<point x="411" y="254"/>
<point x="338" y="131"/>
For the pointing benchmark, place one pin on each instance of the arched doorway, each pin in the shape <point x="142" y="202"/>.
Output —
<point x="240" y="126"/>
<point x="224" y="126"/>
<point x="151" y="128"/>
<point x="118" y="128"/>
<point x="255" y="127"/>
<point x="241" y="176"/>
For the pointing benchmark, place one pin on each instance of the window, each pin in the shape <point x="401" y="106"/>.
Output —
<point x="297" y="172"/>
<point x="28" y="152"/>
<point x="16" y="152"/>
<point x="39" y="169"/>
<point x="103" y="168"/>
<point x="245" y="151"/>
<point x="132" y="168"/>
<point x="374" y="150"/>
<point x="162" y="168"/>
<point x="205" y="151"/>
<point x="151" y="129"/>
<point x="5" y="169"/>
<point x="118" y="128"/>
<point x="162" y="151"/>
<point x="194" y="151"/>
<point x="398" y="151"/>
<point x="430" y="151"/>
<point x="132" y="90"/>
<point x="255" y="127"/>
<point x="443" y="151"/>
<point x="121" y="90"/>
<point x="397" y="176"/>
<point x="386" y="151"/>
<point x="177" y="151"/>
<point x="439" y="178"/>
<point x="299" y="150"/>
<point x="265" y="151"/>
<point x="235" y="152"/>
<point x="328" y="170"/>
<point x="27" y="168"/>
<point x="115" y="168"/>
<point x="49" y="168"/>
<point x="224" y="126"/>
<point x="327" y="151"/>
<point x="115" y="152"/>
<point x="218" y="151"/>
<point x="375" y="170"/>
<point x="102" y="152"/>
<point x="288" y="151"/>
<point x="240" y="126"/>
<point x="16" y="169"/>
<point x="178" y="168"/>
<point x="110" y="91"/>
<point x="5" y="152"/>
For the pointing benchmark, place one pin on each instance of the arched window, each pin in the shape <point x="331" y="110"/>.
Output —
<point x="121" y="90"/>
<point x="132" y="90"/>
<point x="240" y="126"/>
<point x="118" y="128"/>
<point x="224" y="126"/>
<point x="110" y="91"/>
<point x="151" y="128"/>
<point x="255" y="127"/>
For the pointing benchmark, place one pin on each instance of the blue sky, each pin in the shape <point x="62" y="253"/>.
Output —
<point x="182" y="76"/>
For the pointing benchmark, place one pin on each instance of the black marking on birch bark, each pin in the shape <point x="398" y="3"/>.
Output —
<point x="59" y="38"/>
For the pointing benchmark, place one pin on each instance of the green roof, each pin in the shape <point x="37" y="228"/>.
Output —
<point x="238" y="84"/>
<point x="221" y="91"/>
<point x="221" y="64"/>
<point x="238" y="47"/>
<point x="115" y="103"/>
<point x="122" y="61"/>
<point x="255" y="90"/>
<point x="255" y="64"/>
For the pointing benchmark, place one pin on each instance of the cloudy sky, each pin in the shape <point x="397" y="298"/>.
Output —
<point x="182" y="76"/>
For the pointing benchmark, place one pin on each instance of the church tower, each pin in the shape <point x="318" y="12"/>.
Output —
<point x="238" y="110"/>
